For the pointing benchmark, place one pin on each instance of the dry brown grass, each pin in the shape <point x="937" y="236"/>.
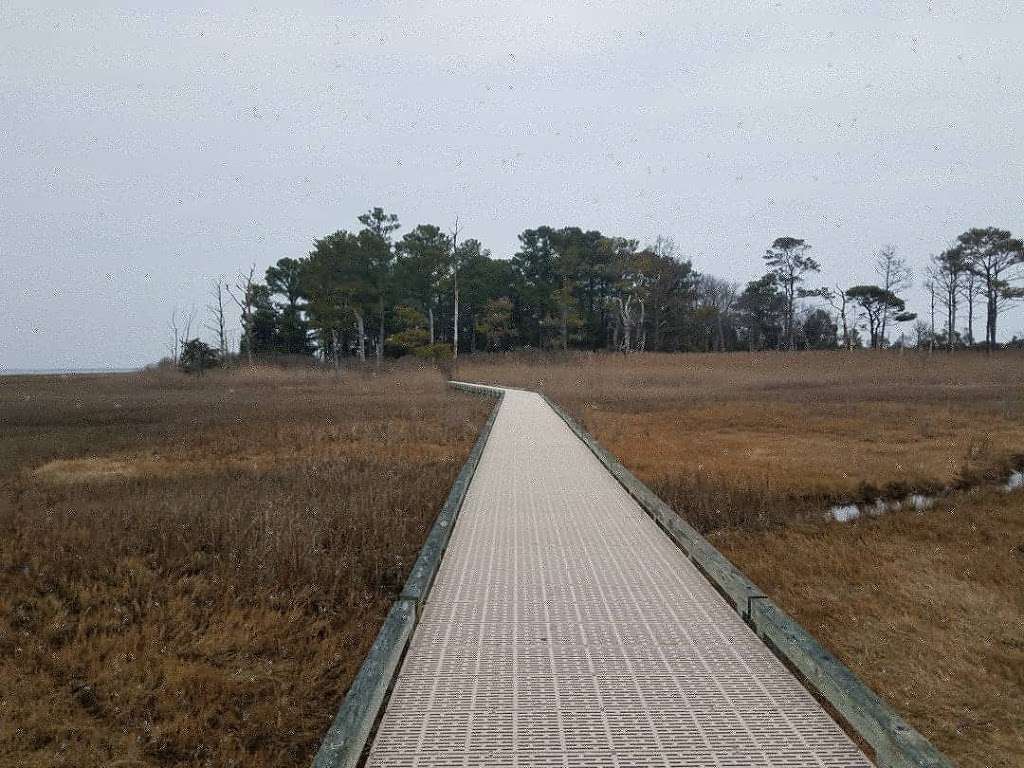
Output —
<point x="191" y="570"/>
<point x="928" y="607"/>
<point x="750" y="439"/>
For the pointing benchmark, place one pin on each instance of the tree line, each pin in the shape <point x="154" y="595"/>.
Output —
<point x="370" y="293"/>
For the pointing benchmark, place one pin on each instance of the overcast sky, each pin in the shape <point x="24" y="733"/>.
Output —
<point x="145" y="153"/>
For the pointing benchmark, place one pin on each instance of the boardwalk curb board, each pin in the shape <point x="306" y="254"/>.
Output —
<point x="896" y="744"/>
<point x="345" y="741"/>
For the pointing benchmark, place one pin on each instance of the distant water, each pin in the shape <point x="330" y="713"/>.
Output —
<point x="844" y="513"/>
<point x="60" y="371"/>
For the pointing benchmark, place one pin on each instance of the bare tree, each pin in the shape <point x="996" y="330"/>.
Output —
<point x="641" y="341"/>
<point x="920" y="333"/>
<point x="216" y="325"/>
<point x="932" y="290"/>
<point x="665" y="248"/>
<point x="359" y="324"/>
<point x="629" y="304"/>
<point x="972" y="289"/>
<point x="632" y="291"/>
<point x="895" y="276"/>
<point x="840" y="302"/>
<point x="455" y="287"/>
<point x="175" y="337"/>
<point x="242" y="295"/>
<point x="189" y="319"/>
<point x="181" y="330"/>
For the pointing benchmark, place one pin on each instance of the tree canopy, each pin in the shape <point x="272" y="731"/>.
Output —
<point x="372" y="292"/>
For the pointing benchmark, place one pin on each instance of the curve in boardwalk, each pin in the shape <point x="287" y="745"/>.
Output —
<point x="565" y="629"/>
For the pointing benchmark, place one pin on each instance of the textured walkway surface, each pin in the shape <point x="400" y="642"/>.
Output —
<point x="565" y="629"/>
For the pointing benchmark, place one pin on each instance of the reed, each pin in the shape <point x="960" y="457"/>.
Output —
<point x="192" y="569"/>
<point x="926" y="606"/>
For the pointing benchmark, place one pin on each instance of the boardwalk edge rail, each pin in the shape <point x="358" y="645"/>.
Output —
<point x="346" y="740"/>
<point x="896" y="744"/>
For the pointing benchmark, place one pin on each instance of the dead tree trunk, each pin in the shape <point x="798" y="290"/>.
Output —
<point x="336" y="352"/>
<point x="380" y="333"/>
<point x="244" y="300"/>
<point x="931" y="340"/>
<point x="175" y="339"/>
<point x="641" y="329"/>
<point x="970" y="289"/>
<point x="455" y="283"/>
<point x="217" y="327"/>
<point x="625" y="310"/>
<point x="361" y="330"/>
<point x="455" y="331"/>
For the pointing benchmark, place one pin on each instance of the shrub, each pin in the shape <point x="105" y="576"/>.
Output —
<point x="435" y="352"/>
<point x="197" y="356"/>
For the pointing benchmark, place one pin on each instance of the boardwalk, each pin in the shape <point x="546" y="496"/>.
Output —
<point x="565" y="629"/>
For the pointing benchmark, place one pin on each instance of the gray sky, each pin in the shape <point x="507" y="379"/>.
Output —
<point x="144" y="153"/>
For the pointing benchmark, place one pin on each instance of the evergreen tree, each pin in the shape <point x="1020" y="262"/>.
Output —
<point x="789" y="263"/>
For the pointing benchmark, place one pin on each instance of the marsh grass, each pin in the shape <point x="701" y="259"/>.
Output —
<point x="755" y="440"/>
<point x="191" y="570"/>
<point x="927" y="606"/>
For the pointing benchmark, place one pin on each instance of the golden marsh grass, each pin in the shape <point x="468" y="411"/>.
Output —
<point x="926" y="606"/>
<point x="191" y="570"/>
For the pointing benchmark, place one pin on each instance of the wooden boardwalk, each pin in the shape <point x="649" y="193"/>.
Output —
<point x="565" y="628"/>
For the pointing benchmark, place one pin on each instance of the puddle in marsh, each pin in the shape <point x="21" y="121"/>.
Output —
<point x="844" y="513"/>
<point x="919" y="502"/>
<point x="1015" y="482"/>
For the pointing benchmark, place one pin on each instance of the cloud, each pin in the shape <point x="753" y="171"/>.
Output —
<point x="189" y="144"/>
